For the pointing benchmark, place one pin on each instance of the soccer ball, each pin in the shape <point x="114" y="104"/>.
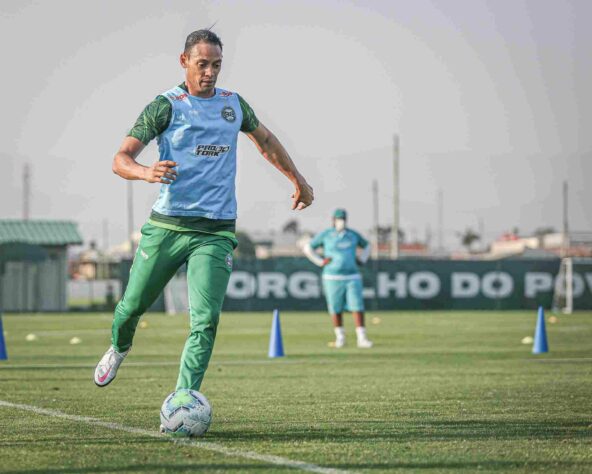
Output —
<point x="186" y="413"/>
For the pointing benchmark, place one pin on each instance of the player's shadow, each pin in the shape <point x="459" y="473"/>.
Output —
<point x="245" y="467"/>
<point x="154" y="467"/>
<point x="45" y="441"/>
<point x="470" y="466"/>
<point x="437" y="430"/>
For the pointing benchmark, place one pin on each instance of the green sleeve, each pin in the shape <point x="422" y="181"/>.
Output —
<point x="250" y="121"/>
<point x="153" y="120"/>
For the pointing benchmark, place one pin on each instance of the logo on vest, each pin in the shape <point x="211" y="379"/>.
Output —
<point x="344" y="245"/>
<point x="213" y="151"/>
<point x="228" y="114"/>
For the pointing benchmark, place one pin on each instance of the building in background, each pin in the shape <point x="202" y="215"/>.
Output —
<point x="40" y="285"/>
<point x="576" y="244"/>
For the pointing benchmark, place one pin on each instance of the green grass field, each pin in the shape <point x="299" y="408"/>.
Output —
<point x="440" y="392"/>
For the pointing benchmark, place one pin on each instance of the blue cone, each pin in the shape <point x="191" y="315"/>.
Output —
<point x="276" y="348"/>
<point x="3" y="355"/>
<point x="540" y="334"/>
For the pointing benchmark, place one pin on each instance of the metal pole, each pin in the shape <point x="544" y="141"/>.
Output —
<point x="440" y="221"/>
<point x="130" y="216"/>
<point x="482" y="233"/>
<point x="375" y="261"/>
<point x="568" y="286"/>
<point x="3" y="351"/>
<point x="1" y="285"/>
<point x="395" y="229"/>
<point x="376" y="225"/>
<point x="565" y="244"/>
<point x="26" y="192"/>
<point x="105" y="235"/>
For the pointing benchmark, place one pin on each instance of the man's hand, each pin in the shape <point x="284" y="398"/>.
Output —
<point x="326" y="261"/>
<point x="161" y="172"/>
<point x="125" y="165"/>
<point x="303" y="196"/>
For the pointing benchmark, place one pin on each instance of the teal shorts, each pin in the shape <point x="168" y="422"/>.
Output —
<point x="343" y="295"/>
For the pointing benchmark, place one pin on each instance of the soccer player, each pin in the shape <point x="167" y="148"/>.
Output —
<point x="342" y="282"/>
<point x="196" y="126"/>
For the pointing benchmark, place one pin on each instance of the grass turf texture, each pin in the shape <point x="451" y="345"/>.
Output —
<point x="441" y="391"/>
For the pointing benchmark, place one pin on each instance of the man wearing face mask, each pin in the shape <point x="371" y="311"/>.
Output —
<point x="342" y="282"/>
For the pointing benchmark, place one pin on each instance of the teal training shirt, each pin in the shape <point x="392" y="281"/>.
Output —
<point x="340" y="247"/>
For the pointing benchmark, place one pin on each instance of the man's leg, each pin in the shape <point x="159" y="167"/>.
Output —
<point x="160" y="253"/>
<point x="358" y="318"/>
<point x="335" y="296"/>
<point x="339" y="330"/>
<point x="208" y="272"/>
<point x="337" y="320"/>
<point x="355" y="303"/>
<point x="363" y="341"/>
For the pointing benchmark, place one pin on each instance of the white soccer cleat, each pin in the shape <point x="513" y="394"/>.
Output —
<point x="364" y="344"/>
<point x="106" y="369"/>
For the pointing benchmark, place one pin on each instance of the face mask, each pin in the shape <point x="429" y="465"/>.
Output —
<point x="339" y="224"/>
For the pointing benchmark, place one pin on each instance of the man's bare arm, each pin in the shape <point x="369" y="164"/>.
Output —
<point x="274" y="152"/>
<point x="126" y="166"/>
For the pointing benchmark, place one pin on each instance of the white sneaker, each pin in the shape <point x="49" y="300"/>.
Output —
<point x="337" y="343"/>
<point x="106" y="369"/>
<point x="364" y="344"/>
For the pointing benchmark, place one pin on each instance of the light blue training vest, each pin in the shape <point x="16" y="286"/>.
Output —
<point x="201" y="138"/>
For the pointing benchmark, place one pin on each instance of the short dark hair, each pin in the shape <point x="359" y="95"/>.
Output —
<point x="201" y="36"/>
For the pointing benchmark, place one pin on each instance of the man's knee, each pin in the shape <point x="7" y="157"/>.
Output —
<point x="204" y="320"/>
<point x="132" y="307"/>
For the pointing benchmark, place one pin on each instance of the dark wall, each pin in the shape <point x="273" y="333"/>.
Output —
<point x="295" y="284"/>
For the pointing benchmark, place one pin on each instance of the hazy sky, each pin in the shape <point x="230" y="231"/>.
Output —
<point x="491" y="99"/>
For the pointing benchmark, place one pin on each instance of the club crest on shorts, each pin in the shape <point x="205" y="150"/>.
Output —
<point x="228" y="114"/>
<point x="229" y="261"/>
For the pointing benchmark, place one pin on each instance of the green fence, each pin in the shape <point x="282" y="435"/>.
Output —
<point x="295" y="284"/>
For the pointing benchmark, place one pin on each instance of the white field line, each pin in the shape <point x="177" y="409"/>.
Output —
<point x="215" y="447"/>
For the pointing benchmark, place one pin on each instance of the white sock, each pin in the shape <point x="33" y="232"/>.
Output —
<point x="340" y="332"/>
<point x="361" y="333"/>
